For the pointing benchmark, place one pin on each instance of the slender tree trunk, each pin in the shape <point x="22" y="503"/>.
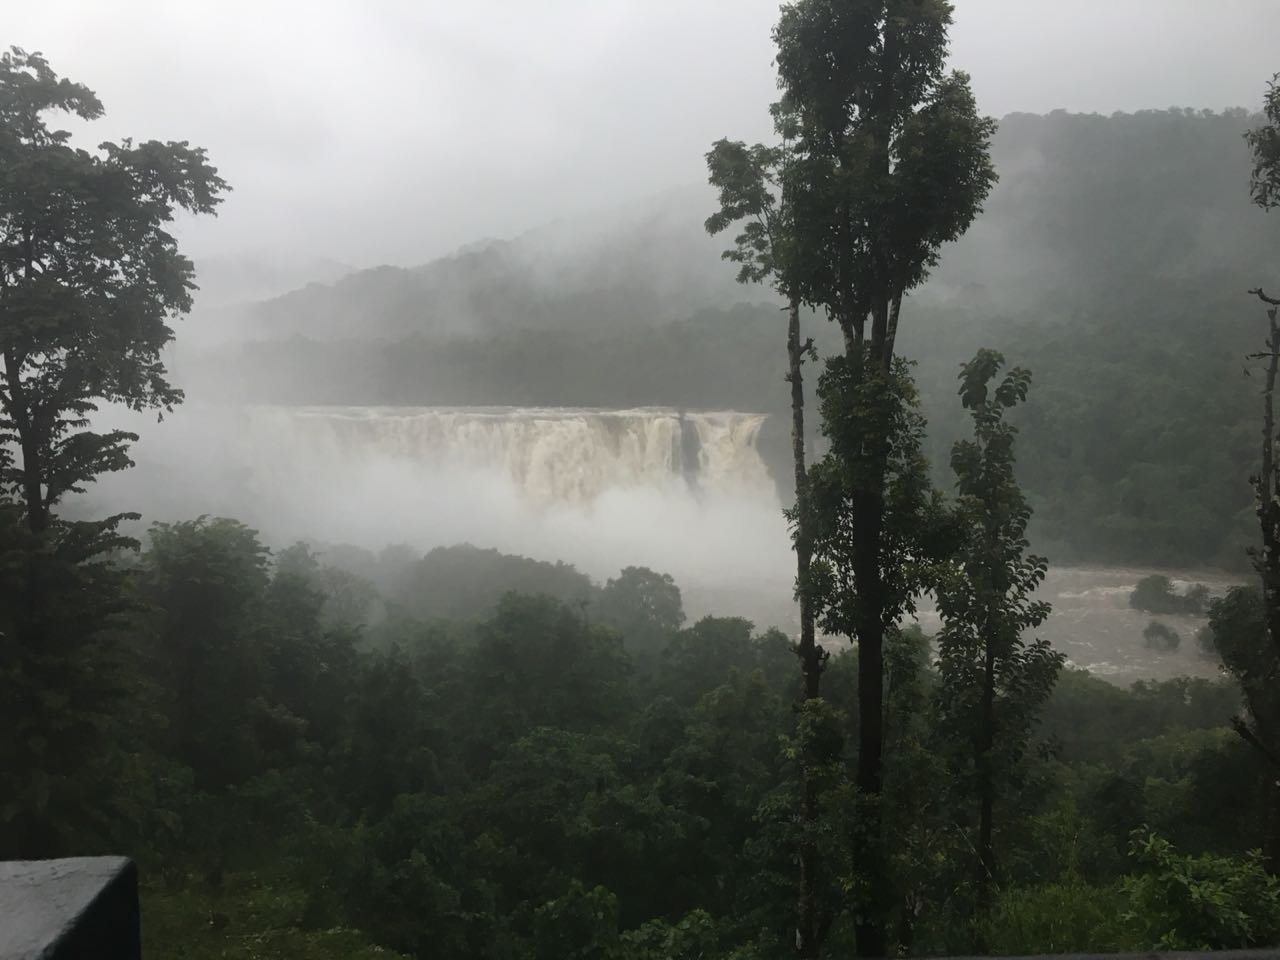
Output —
<point x="895" y="310"/>
<point x="986" y="779"/>
<point x="870" y="360"/>
<point x="808" y="923"/>
<point x="1267" y="490"/>
<point x="810" y="653"/>
<point x="880" y="314"/>
<point x="1271" y="813"/>
<point x="869" y="933"/>
<point x="21" y="415"/>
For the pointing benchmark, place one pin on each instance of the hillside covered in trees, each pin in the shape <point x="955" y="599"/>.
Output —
<point x="1112" y="258"/>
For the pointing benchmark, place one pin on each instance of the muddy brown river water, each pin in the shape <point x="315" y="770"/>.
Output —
<point x="1092" y="622"/>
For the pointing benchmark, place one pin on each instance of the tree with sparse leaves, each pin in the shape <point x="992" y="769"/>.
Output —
<point x="749" y="180"/>
<point x="1262" y="734"/>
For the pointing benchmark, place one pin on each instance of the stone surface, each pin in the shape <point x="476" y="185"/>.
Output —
<point x="83" y="907"/>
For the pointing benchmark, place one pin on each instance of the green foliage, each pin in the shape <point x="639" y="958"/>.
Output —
<point x="1090" y="720"/>
<point x="89" y="278"/>
<point x="206" y="581"/>
<point x="890" y="163"/>
<point x="248" y="916"/>
<point x="467" y="582"/>
<point x="992" y="682"/>
<point x="916" y="532"/>
<point x="694" y="937"/>
<point x="1238" y="632"/>
<point x="1058" y="918"/>
<point x="644" y="606"/>
<point x="512" y="788"/>
<point x="702" y="657"/>
<point x="748" y="180"/>
<point x="1264" y="144"/>
<point x="66" y="668"/>
<point x="541" y="664"/>
<point x="1181" y="902"/>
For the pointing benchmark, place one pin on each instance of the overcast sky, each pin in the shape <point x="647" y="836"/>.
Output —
<point x="395" y="130"/>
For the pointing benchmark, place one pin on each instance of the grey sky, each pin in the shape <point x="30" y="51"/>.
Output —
<point x="395" y="130"/>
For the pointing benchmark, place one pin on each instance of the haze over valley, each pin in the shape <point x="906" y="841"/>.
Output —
<point x="577" y="327"/>
<point x="641" y="480"/>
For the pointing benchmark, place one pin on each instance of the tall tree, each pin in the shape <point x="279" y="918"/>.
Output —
<point x="891" y="161"/>
<point x="749" y="180"/>
<point x="644" y="606"/>
<point x="1264" y="186"/>
<point x="89" y="277"/>
<point x="1255" y="670"/>
<point x="992" y="681"/>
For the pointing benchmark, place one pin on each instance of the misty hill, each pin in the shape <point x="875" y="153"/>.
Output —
<point x="643" y="265"/>
<point x="1082" y="199"/>
<point x="228" y="280"/>
<point x="1086" y="201"/>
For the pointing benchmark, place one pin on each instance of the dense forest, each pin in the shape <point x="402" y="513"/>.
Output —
<point x="314" y="750"/>
<point x="311" y="753"/>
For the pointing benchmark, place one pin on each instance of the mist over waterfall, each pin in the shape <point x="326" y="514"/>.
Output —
<point x="686" y="492"/>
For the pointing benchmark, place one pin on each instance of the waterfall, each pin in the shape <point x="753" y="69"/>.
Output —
<point x="551" y="455"/>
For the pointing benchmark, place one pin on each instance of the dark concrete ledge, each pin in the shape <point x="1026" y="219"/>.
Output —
<point x="1270" y="953"/>
<point x="84" y="907"/>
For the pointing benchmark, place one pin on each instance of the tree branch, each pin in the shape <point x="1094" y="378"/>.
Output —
<point x="1249" y="737"/>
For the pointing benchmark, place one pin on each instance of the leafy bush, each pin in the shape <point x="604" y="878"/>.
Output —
<point x="1181" y="902"/>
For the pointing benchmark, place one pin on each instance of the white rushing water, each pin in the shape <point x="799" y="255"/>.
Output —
<point x="551" y="456"/>
<point x="685" y="492"/>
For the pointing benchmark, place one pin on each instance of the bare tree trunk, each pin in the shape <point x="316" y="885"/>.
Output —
<point x="895" y="310"/>
<point x="1266" y="486"/>
<point x="811" y="657"/>
<point x="20" y="414"/>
